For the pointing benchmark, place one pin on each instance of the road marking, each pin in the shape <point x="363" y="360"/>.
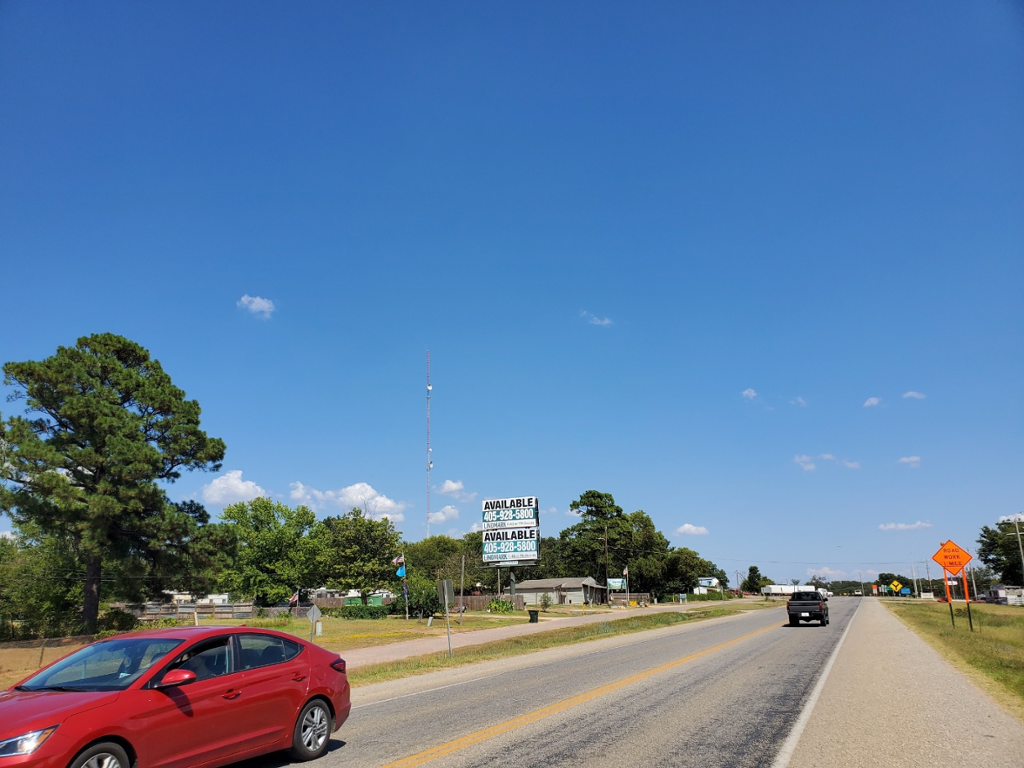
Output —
<point x="678" y="627"/>
<point x="553" y="709"/>
<point x="789" y="745"/>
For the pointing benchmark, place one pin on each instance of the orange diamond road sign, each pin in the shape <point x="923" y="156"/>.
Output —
<point x="952" y="558"/>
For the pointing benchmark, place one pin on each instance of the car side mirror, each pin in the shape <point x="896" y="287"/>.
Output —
<point x="176" y="678"/>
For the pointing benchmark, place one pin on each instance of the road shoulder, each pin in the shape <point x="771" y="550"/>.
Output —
<point x="892" y="699"/>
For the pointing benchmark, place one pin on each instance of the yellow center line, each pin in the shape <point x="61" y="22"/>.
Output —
<point x="553" y="709"/>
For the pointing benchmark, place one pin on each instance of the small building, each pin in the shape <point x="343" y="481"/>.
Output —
<point x="706" y="584"/>
<point x="563" y="591"/>
<point x="184" y="598"/>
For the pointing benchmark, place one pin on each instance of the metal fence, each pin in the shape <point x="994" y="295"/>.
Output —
<point x="154" y="611"/>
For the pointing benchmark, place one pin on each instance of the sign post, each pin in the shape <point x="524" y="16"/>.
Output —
<point x="314" y="617"/>
<point x="953" y="559"/>
<point x="446" y="594"/>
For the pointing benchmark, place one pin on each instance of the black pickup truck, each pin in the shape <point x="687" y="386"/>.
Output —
<point x="807" y="606"/>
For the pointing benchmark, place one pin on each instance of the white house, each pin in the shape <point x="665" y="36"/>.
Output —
<point x="706" y="584"/>
<point x="566" y="591"/>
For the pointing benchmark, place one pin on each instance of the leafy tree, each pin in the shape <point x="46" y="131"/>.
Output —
<point x="354" y="551"/>
<point x="753" y="581"/>
<point x="998" y="549"/>
<point x="429" y="556"/>
<point x="273" y="553"/>
<point x="583" y="546"/>
<point x="40" y="588"/>
<point x="682" y="569"/>
<point x="105" y="427"/>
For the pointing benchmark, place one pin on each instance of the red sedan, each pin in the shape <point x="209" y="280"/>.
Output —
<point x="176" y="698"/>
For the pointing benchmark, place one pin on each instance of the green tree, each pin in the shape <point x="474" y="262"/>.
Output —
<point x="105" y="427"/>
<point x="998" y="549"/>
<point x="753" y="581"/>
<point x="583" y="546"/>
<point x="354" y="551"/>
<point x="273" y="554"/>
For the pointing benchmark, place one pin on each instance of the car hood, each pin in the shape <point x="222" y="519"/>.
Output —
<point x="23" y="711"/>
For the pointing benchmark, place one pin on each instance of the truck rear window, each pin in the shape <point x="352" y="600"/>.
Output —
<point x="810" y="597"/>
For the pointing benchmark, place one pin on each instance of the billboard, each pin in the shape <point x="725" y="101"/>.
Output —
<point x="616" y="583"/>
<point x="511" y="531"/>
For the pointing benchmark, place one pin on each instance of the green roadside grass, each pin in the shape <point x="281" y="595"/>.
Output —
<point x="498" y="649"/>
<point x="993" y="653"/>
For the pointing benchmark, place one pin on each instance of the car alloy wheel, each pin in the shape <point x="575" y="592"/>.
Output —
<point x="312" y="731"/>
<point x="105" y="760"/>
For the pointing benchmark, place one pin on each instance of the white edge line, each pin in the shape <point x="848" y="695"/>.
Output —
<point x="789" y="745"/>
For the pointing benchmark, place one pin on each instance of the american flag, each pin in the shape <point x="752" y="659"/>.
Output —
<point x="294" y="599"/>
<point x="398" y="560"/>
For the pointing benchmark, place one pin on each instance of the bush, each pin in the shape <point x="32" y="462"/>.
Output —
<point x="116" y="620"/>
<point x="545" y="601"/>
<point x="276" y="623"/>
<point x="497" y="605"/>
<point x="358" y="612"/>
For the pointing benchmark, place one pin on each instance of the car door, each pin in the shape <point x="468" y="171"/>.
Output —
<point x="276" y="677"/>
<point x="193" y="724"/>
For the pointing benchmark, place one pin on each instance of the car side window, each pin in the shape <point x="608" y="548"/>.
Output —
<point x="210" y="659"/>
<point x="259" y="650"/>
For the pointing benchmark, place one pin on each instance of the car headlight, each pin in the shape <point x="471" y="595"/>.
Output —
<point x="27" y="743"/>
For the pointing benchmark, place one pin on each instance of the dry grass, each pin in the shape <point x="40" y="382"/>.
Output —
<point x="349" y="634"/>
<point x="418" y="665"/>
<point x="993" y="653"/>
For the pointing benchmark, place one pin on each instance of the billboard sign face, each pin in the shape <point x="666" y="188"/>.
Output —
<point x="616" y="583"/>
<point x="511" y="531"/>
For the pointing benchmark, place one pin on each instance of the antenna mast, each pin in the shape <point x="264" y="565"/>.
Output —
<point x="430" y="464"/>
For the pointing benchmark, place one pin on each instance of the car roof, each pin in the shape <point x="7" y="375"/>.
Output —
<point x="198" y="633"/>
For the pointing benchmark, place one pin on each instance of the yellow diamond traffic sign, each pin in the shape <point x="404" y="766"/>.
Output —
<point x="896" y="586"/>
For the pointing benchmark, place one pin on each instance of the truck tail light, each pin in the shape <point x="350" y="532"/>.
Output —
<point x="821" y="606"/>
<point x="339" y="665"/>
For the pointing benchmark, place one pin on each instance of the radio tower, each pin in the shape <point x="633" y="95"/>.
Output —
<point x="430" y="464"/>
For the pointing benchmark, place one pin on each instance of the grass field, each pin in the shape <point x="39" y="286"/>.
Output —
<point x="497" y="649"/>
<point x="18" y="660"/>
<point x="994" y="651"/>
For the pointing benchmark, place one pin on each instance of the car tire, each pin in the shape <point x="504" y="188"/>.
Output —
<point x="106" y="754"/>
<point x="312" y="733"/>
<point x="794" y="622"/>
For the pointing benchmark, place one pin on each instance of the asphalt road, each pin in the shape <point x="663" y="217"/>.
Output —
<point x="719" y="693"/>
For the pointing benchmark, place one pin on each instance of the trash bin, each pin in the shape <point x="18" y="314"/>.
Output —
<point x="534" y="616"/>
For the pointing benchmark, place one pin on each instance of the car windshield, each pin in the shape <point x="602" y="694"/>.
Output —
<point x="806" y="596"/>
<point x="111" y="665"/>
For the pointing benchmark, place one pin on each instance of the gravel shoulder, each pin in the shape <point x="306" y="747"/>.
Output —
<point x="892" y="700"/>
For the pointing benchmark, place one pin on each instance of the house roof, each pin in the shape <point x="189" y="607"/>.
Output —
<point x="575" y="582"/>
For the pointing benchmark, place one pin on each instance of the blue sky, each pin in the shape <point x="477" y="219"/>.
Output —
<point x="606" y="224"/>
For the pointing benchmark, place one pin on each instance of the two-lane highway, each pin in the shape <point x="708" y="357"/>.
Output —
<point x="717" y="693"/>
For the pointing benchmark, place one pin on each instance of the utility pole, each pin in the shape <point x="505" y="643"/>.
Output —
<point x="430" y="464"/>
<point x="913" y="575"/>
<point x="462" y="589"/>
<point x="928" y="572"/>
<point x="737" y="574"/>
<point x="606" y="565"/>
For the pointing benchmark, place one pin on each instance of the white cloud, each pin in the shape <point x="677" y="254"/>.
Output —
<point x="444" y="515"/>
<point x="904" y="526"/>
<point x="805" y="461"/>
<point x="913" y="461"/>
<point x="748" y="393"/>
<point x="851" y="464"/>
<point x="257" y="305"/>
<point x="476" y="527"/>
<point x="799" y="401"/>
<point x="828" y="573"/>
<point x="594" y="319"/>
<point x="827" y="457"/>
<point x="230" y="488"/>
<point x="872" y="401"/>
<point x="573" y="513"/>
<point x="362" y="495"/>
<point x="456" y="490"/>
<point x="915" y="395"/>
<point x="691" y="530"/>
<point x="7" y="535"/>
